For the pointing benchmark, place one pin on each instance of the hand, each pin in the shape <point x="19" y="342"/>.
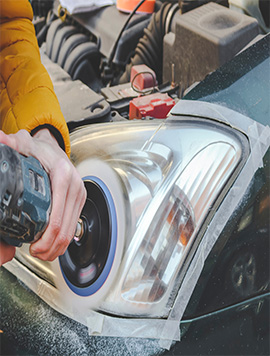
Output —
<point x="68" y="192"/>
<point x="7" y="252"/>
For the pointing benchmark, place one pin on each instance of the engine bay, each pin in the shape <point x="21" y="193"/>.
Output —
<point x="110" y="65"/>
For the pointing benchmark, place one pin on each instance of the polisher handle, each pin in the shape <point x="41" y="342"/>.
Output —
<point x="25" y="197"/>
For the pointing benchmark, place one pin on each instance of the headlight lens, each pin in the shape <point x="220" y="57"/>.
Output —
<point x="172" y="175"/>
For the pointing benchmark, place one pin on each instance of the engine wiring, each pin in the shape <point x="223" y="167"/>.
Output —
<point x="147" y="91"/>
<point x="122" y="30"/>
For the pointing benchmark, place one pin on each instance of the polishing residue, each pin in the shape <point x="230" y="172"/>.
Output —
<point x="31" y="327"/>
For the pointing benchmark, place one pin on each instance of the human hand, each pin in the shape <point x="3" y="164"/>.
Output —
<point x="68" y="192"/>
<point x="7" y="252"/>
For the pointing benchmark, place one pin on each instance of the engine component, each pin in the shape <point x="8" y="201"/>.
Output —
<point x="150" y="47"/>
<point x="42" y="18"/>
<point x="82" y="63"/>
<point x="119" y="97"/>
<point x="136" y="7"/>
<point x="92" y="48"/>
<point x="68" y="47"/>
<point x="74" y="51"/>
<point x="106" y="23"/>
<point x="142" y="77"/>
<point x="83" y="41"/>
<point x="54" y="27"/>
<point x="128" y="5"/>
<point x="205" y="38"/>
<point x="41" y="7"/>
<point x="155" y="105"/>
<point x="259" y="9"/>
<point x="59" y="39"/>
<point x="79" y="104"/>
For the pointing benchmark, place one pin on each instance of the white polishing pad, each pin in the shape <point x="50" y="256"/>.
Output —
<point x="91" y="296"/>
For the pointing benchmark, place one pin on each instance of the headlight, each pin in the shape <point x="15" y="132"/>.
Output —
<point x="170" y="176"/>
<point x="152" y="189"/>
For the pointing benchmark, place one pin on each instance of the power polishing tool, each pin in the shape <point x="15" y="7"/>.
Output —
<point x="25" y="198"/>
<point x="89" y="265"/>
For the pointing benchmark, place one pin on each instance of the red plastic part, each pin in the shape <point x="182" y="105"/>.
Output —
<point x="155" y="105"/>
<point x="142" y="77"/>
<point x="128" y="5"/>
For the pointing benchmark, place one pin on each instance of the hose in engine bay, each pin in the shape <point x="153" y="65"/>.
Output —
<point x="149" y="50"/>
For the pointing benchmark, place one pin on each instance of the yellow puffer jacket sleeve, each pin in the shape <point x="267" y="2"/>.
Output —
<point x="27" y="97"/>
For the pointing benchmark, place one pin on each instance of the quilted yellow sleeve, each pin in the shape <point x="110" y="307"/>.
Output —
<point x="27" y="97"/>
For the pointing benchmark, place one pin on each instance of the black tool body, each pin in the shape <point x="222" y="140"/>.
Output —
<point x="25" y="197"/>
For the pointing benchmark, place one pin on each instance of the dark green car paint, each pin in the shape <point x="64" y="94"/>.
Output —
<point x="36" y="329"/>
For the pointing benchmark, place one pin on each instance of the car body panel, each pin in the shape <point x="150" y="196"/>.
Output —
<point x="37" y="329"/>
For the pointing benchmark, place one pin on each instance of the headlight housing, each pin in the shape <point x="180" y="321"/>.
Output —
<point x="172" y="176"/>
<point x="162" y="182"/>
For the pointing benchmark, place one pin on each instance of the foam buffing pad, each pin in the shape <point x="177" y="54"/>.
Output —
<point x="86" y="271"/>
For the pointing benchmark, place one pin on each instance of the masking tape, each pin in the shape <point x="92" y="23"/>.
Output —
<point x="105" y="325"/>
<point x="259" y="137"/>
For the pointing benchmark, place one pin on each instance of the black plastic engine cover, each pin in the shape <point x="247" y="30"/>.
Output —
<point x="106" y="23"/>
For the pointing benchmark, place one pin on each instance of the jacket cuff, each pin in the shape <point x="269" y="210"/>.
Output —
<point x="57" y="135"/>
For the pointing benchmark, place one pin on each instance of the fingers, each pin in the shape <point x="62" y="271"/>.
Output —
<point x="64" y="236"/>
<point x="7" y="252"/>
<point x="74" y="204"/>
<point x="60" y="182"/>
<point x="68" y="192"/>
<point x="68" y="199"/>
<point x="21" y="141"/>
